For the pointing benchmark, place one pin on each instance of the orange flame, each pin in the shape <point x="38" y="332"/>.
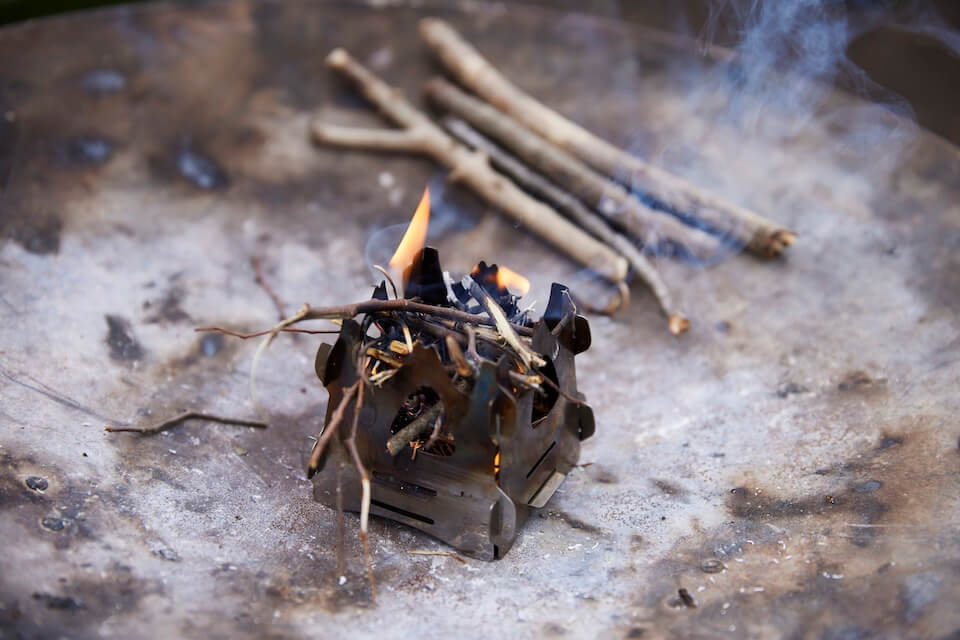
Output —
<point x="510" y="279"/>
<point x="413" y="238"/>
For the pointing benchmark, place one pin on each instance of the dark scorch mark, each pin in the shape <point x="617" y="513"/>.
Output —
<point x="38" y="233"/>
<point x="123" y="343"/>
<point x="86" y="151"/>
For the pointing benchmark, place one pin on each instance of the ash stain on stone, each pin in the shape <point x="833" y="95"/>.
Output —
<point x="164" y="477"/>
<point x="765" y="507"/>
<point x="669" y="488"/>
<point x="791" y="388"/>
<point x="603" y="475"/>
<point x="571" y="521"/>
<point x="85" y="151"/>
<point x="38" y="233"/>
<point x="121" y="339"/>
<point x="888" y="441"/>
<point x="168" y="309"/>
<point x="59" y="603"/>
<point x="859" y="381"/>
<point x="167" y="554"/>
<point x="917" y="593"/>
<point x="200" y="169"/>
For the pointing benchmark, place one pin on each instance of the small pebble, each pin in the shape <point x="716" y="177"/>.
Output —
<point x="54" y="524"/>
<point x="37" y="483"/>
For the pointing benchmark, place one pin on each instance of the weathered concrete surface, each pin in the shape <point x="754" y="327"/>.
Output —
<point x="792" y="462"/>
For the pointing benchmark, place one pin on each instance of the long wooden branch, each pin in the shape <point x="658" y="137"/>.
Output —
<point x="760" y="235"/>
<point x="420" y="135"/>
<point x="576" y="211"/>
<point x="606" y="196"/>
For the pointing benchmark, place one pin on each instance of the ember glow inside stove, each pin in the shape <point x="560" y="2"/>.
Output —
<point x="467" y="416"/>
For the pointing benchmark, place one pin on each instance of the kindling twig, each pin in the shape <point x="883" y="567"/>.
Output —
<point x="447" y="554"/>
<point x="528" y="355"/>
<point x="760" y="235"/>
<point x="575" y="210"/>
<point x="401" y="304"/>
<point x="187" y="415"/>
<point x="257" y="265"/>
<point x="610" y="198"/>
<point x="257" y="334"/>
<point x="418" y="427"/>
<point x="321" y="444"/>
<point x="460" y="361"/>
<point x="351" y="443"/>
<point x="420" y="135"/>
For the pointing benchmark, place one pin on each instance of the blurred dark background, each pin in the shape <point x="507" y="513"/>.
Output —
<point x="908" y="48"/>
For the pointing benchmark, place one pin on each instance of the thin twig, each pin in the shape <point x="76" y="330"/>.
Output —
<point x="364" y="486"/>
<point x="321" y="444"/>
<point x="421" y="135"/>
<point x="456" y="354"/>
<point x="341" y="556"/>
<point x="386" y="274"/>
<point x="257" y="265"/>
<point x="611" y="199"/>
<point x="187" y="415"/>
<point x="402" y="304"/>
<point x="417" y="428"/>
<point x="575" y="210"/>
<point x="760" y="235"/>
<point x="446" y="554"/>
<point x="529" y="357"/>
<point x="434" y="435"/>
<point x="257" y="334"/>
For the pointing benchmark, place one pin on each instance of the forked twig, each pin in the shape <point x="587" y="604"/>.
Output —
<point x="186" y="415"/>
<point x="421" y="135"/>
<point x="760" y="235"/>
<point x="605" y="195"/>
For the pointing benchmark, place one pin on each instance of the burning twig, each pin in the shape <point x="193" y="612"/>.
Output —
<point x="529" y="357"/>
<point x="420" y="135"/>
<point x="606" y="196"/>
<point x="420" y="426"/>
<point x="760" y="235"/>
<point x="186" y="415"/>
<point x="460" y="361"/>
<point x="257" y="265"/>
<point x="575" y="210"/>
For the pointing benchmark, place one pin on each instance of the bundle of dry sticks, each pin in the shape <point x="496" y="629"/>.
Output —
<point x="605" y="226"/>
